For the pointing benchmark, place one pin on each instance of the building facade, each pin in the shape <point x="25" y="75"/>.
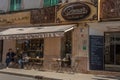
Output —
<point x="81" y="28"/>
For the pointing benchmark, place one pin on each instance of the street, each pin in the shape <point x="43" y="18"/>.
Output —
<point x="13" y="77"/>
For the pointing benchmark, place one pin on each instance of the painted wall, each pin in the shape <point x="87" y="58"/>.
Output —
<point x="4" y="5"/>
<point x="6" y="45"/>
<point x="30" y="4"/>
<point x="101" y="27"/>
<point x="80" y="46"/>
<point x="52" y="49"/>
<point x="95" y="31"/>
<point x="27" y="4"/>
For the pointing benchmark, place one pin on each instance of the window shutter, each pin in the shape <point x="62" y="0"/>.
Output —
<point x="15" y="5"/>
<point x="47" y="3"/>
<point x="50" y="2"/>
<point x="54" y="2"/>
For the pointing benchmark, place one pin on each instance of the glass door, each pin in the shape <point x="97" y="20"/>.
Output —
<point x="112" y="50"/>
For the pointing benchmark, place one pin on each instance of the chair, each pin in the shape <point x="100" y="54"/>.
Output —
<point x="38" y="64"/>
<point x="53" y="64"/>
<point x="75" y="65"/>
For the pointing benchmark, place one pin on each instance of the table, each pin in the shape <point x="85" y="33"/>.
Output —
<point x="36" y="63"/>
<point x="62" y="63"/>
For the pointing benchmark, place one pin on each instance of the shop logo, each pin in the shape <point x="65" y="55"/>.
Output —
<point x="75" y="11"/>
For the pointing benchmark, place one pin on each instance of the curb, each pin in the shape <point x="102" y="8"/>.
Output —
<point x="17" y="74"/>
<point x="30" y="76"/>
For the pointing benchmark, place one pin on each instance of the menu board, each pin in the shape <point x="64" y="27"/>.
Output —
<point x="96" y="52"/>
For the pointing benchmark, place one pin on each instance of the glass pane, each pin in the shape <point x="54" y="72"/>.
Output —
<point x="18" y="4"/>
<point x="11" y="5"/>
<point x="33" y="47"/>
<point x="50" y="2"/>
<point x="109" y="48"/>
<point x="15" y="5"/>
<point x="54" y="2"/>
<point x="117" y="42"/>
<point x="47" y="3"/>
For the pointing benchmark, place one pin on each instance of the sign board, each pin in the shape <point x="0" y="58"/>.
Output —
<point x="76" y="12"/>
<point x="96" y="52"/>
<point x="15" y="18"/>
<point x="43" y="15"/>
<point x="109" y="10"/>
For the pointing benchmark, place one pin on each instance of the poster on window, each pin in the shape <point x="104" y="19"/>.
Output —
<point x="109" y="10"/>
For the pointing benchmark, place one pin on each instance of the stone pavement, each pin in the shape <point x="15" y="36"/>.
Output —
<point x="56" y="75"/>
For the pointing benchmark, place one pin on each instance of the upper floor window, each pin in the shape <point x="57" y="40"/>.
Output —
<point x="15" y="5"/>
<point x="53" y="2"/>
<point x="50" y="2"/>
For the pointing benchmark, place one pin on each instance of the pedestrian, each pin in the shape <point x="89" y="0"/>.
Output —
<point x="20" y="59"/>
<point x="23" y="59"/>
<point x="10" y="57"/>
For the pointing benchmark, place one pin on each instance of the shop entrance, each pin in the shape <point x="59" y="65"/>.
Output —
<point x="112" y="51"/>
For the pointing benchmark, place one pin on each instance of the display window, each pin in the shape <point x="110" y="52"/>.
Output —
<point x="33" y="47"/>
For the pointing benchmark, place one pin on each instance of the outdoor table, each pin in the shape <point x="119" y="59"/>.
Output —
<point x="36" y="63"/>
<point x="62" y="63"/>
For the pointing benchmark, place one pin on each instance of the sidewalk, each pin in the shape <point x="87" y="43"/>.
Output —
<point x="56" y="75"/>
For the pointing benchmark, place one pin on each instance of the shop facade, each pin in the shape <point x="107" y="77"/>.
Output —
<point x="104" y="37"/>
<point x="69" y="33"/>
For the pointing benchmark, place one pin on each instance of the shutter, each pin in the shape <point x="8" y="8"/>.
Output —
<point x="54" y="2"/>
<point x="15" y="5"/>
<point x="11" y="5"/>
<point x="47" y="3"/>
<point x="18" y="5"/>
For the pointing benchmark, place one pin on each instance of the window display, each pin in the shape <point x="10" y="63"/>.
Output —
<point x="33" y="47"/>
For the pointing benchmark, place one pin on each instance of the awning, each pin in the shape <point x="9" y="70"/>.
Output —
<point x="35" y="32"/>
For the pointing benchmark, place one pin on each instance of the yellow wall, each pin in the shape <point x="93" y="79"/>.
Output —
<point x="52" y="49"/>
<point x="80" y="40"/>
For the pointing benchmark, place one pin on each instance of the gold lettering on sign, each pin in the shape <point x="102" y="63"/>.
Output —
<point x="15" y="18"/>
<point x="110" y="9"/>
<point x="12" y="20"/>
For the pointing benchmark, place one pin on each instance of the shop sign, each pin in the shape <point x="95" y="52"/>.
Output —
<point x="75" y="11"/>
<point x="15" y="18"/>
<point x="110" y="9"/>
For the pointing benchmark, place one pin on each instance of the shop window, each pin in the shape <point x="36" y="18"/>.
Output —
<point x="67" y="44"/>
<point x="34" y="47"/>
<point x="1" y="50"/>
<point x="15" y="5"/>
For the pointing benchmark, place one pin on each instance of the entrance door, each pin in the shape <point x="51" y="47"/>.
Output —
<point x="1" y="50"/>
<point x="112" y="51"/>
